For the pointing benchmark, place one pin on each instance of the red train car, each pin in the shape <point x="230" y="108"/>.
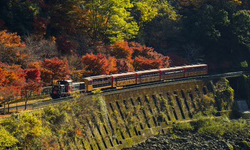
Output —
<point x="139" y="77"/>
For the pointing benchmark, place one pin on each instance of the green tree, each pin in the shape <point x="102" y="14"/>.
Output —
<point x="26" y="128"/>
<point x="6" y="139"/>
<point x="152" y="16"/>
<point x="221" y="30"/>
<point x="224" y="94"/>
<point x="18" y="15"/>
<point x="241" y="27"/>
<point x="111" y="19"/>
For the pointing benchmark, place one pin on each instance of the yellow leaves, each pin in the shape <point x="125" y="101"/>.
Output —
<point x="53" y="39"/>
<point x="36" y="64"/>
<point x="6" y="139"/>
<point x="238" y="1"/>
<point x="10" y="39"/>
<point x="148" y="10"/>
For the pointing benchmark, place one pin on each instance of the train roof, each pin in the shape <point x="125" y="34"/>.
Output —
<point x="78" y="82"/>
<point x="123" y="74"/>
<point x="198" y="65"/>
<point x="171" y="68"/>
<point x="147" y="71"/>
<point x="97" y="77"/>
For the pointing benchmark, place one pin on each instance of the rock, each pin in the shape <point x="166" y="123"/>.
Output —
<point x="195" y="141"/>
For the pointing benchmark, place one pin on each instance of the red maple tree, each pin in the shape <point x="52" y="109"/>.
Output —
<point x="53" y="69"/>
<point x="95" y="64"/>
<point x="32" y="84"/>
<point x="123" y="65"/>
<point x="121" y="50"/>
<point x="11" y="82"/>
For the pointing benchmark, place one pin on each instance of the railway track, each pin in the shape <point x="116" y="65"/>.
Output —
<point x="43" y="103"/>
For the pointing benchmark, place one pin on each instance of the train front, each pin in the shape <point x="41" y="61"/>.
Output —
<point x="61" y="89"/>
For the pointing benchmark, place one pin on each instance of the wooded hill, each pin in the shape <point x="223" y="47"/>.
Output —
<point x="54" y="39"/>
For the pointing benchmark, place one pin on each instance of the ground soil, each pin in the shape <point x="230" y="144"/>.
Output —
<point x="187" y="140"/>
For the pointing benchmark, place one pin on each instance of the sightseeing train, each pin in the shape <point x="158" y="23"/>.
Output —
<point x="66" y="87"/>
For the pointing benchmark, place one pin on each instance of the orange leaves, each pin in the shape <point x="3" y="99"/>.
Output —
<point x="7" y="92"/>
<point x="11" y="48"/>
<point x="96" y="64"/>
<point x="12" y="80"/>
<point x="33" y="74"/>
<point x="133" y="50"/>
<point x="15" y="81"/>
<point x="14" y="74"/>
<point x="123" y="65"/>
<point x="50" y="69"/>
<point x="112" y="68"/>
<point x="125" y="57"/>
<point x="54" y="68"/>
<point x="2" y="77"/>
<point x="146" y="58"/>
<point x="143" y="63"/>
<point x="121" y="49"/>
<point x="10" y="39"/>
<point x="33" y="78"/>
<point x="99" y="64"/>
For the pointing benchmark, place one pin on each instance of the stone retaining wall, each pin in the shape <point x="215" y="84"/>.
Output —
<point x="134" y="115"/>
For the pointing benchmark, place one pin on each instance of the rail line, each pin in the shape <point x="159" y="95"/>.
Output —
<point x="44" y="103"/>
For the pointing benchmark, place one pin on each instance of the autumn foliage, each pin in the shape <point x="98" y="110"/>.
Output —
<point x="121" y="50"/>
<point x="143" y="63"/>
<point x="12" y="80"/>
<point x="11" y="48"/>
<point x="17" y="78"/>
<point x="32" y="84"/>
<point x="53" y="69"/>
<point x="98" y="64"/>
<point x="124" y="56"/>
<point x="33" y="81"/>
<point x="123" y="65"/>
<point x="33" y="74"/>
<point x="146" y="58"/>
<point x="10" y="39"/>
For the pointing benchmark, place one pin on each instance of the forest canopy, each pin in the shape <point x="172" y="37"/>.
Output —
<point x="61" y="39"/>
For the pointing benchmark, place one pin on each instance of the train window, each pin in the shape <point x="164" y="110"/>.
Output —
<point x="102" y="84"/>
<point x="172" y="72"/>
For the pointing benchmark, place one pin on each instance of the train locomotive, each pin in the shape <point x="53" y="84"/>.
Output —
<point x="66" y="87"/>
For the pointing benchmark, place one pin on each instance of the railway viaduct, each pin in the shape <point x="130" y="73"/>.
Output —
<point x="132" y="115"/>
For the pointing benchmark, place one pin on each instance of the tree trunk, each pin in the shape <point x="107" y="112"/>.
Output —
<point x="16" y="108"/>
<point x="8" y="107"/>
<point x="4" y="108"/>
<point x="26" y="100"/>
